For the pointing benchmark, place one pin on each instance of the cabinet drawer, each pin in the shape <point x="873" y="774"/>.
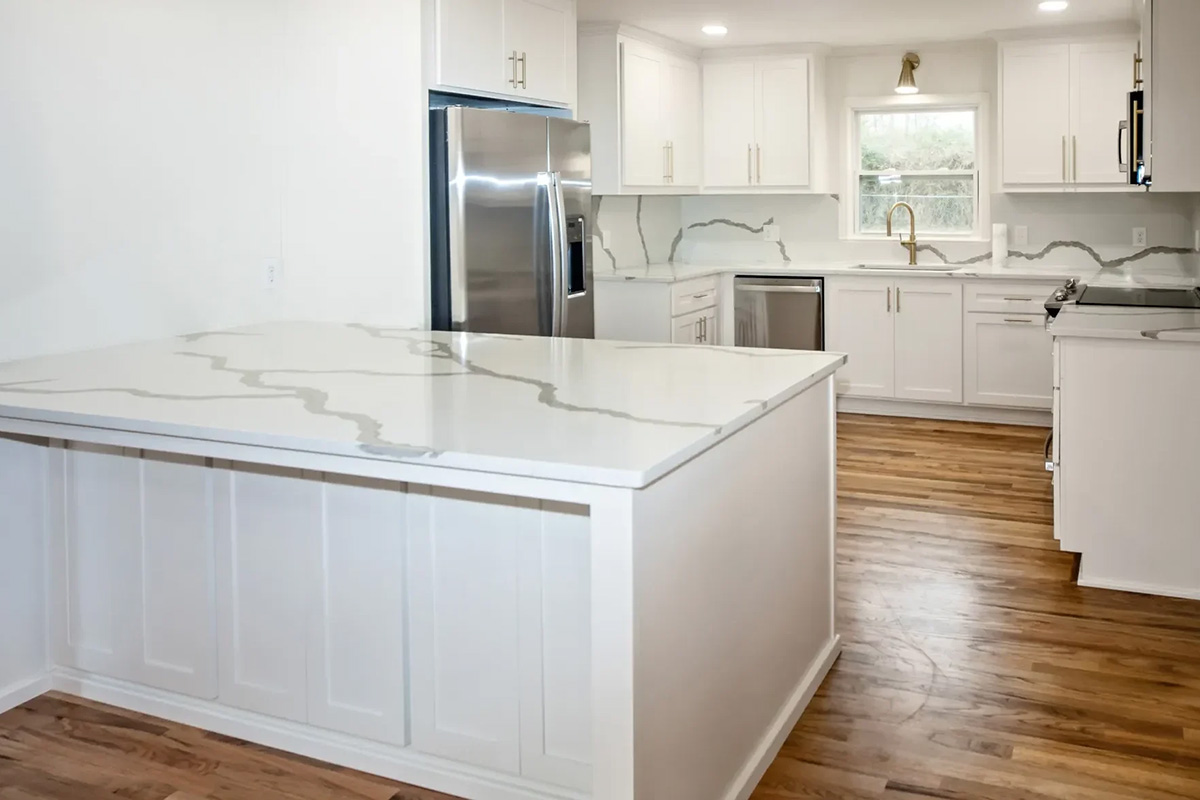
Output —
<point x="1008" y="298"/>
<point x="693" y="295"/>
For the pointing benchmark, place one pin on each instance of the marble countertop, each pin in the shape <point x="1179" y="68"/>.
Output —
<point x="1103" y="322"/>
<point x="607" y="413"/>
<point x="671" y="273"/>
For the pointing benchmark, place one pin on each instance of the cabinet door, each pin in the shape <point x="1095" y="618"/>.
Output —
<point x="268" y="523"/>
<point x="643" y="142"/>
<point x="556" y="647"/>
<point x="463" y="609"/>
<point x="729" y="133"/>
<point x="542" y="32"/>
<point x="1009" y="361"/>
<point x="782" y="154"/>
<point x="682" y="103"/>
<point x="687" y="329"/>
<point x="1037" y="116"/>
<point x="132" y="574"/>
<point x="929" y="340"/>
<point x="470" y="46"/>
<point x="356" y="670"/>
<point x="858" y="322"/>
<point x="1101" y="78"/>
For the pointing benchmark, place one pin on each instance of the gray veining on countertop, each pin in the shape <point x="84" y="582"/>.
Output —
<point x="576" y="410"/>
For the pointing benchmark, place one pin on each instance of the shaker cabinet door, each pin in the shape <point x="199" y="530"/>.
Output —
<point x="858" y="322"/>
<point x="470" y="46"/>
<point x="729" y="133"/>
<point x="782" y="149"/>
<point x="1036" y="131"/>
<point x="929" y="340"/>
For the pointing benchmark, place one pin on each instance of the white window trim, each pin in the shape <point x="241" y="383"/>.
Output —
<point x="980" y="103"/>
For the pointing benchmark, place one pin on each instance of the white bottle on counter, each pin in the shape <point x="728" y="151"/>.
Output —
<point x="999" y="245"/>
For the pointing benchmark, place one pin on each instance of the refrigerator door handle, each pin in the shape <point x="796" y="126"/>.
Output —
<point x="553" y="216"/>
<point x="562" y="253"/>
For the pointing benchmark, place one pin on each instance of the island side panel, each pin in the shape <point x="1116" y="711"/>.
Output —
<point x="733" y="602"/>
<point x="1129" y="457"/>
<point x="23" y="642"/>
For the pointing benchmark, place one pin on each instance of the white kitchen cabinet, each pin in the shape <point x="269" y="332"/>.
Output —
<point x="758" y="118"/>
<point x="541" y="37"/>
<point x="131" y="541"/>
<point x="684" y="312"/>
<point x="356" y="662"/>
<point x="904" y="337"/>
<point x="469" y="42"/>
<point x="500" y="628"/>
<point x="520" y="49"/>
<point x="1061" y="107"/>
<point x="729" y="124"/>
<point x="643" y="103"/>
<point x="929" y="343"/>
<point x="781" y="91"/>
<point x="1009" y="360"/>
<point x="265" y="516"/>
<point x="858" y="321"/>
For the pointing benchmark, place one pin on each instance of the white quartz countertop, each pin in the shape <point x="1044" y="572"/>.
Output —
<point x="596" y="412"/>
<point x="671" y="273"/>
<point x="1102" y="322"/>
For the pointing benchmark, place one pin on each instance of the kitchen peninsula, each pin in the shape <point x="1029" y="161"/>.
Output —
<point x="496" y="566"/>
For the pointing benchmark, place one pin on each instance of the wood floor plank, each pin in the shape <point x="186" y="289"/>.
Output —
<point x="973" y="668"/>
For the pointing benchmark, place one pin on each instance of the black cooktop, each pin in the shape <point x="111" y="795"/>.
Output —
<point x="1140" y="297"/>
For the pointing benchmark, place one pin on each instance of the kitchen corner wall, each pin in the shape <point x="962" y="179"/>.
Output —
<point x="155" y="155"/>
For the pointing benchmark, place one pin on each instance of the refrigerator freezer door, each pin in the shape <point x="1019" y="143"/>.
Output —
<point x="499" y="218"/>
<point x="571" y="163"/>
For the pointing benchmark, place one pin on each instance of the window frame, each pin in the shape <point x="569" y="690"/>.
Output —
<point x="978" y="103"/>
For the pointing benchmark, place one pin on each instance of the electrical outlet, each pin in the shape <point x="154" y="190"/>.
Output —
<point x="771" y="233"/>
<point x="1020" y="237"/>
<point x="272" y="273"/>
<point x="1197" y="248"/>
<point x="1139" y="237"/>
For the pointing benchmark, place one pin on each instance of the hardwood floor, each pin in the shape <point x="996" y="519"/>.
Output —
<point x="973" y="668"/>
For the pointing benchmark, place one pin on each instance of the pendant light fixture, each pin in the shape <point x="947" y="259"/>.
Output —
<point x="908" y="81"/>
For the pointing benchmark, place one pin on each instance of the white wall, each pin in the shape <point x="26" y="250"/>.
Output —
<point x="156" y="152"/>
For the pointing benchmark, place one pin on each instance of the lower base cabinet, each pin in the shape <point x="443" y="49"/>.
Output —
<point x="1010" y="360"/>
<point x="364" y="607"/>
<point x="904" y="337"/>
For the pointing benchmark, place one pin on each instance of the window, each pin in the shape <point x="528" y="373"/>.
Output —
<point x="927" y="157"/>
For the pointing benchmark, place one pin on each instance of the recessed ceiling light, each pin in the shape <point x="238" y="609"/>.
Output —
<point x="1053" y="5"/>
<point x="715" y="30"/>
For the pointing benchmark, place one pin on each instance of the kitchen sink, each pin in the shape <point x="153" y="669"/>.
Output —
<point x="909" y="268"/>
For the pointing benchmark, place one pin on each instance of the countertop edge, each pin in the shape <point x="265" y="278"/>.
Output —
<point x="495" y="465"/>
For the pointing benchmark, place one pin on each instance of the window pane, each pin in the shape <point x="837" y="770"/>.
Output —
<point x="943" y="205"/>
<point x="917" y="140"/>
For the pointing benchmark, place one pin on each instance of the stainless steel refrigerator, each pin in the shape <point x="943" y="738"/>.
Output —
<point x="511" y="217"/>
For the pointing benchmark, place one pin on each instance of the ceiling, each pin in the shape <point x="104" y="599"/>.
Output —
<point x="842" y="23"/>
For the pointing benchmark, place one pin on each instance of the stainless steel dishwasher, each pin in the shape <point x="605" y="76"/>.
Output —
<point x="780" y="313"/>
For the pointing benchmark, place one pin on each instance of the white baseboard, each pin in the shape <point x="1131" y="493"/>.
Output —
<point x="15" y="694"/>
<point x="747" y="780"/>
<point x="1137" y="588"/>
<point x="903" y="408"/>
<point x="395" y="763"/>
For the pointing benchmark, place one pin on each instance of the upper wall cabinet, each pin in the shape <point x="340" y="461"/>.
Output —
<point x="643" y="102"/>
<point x="519" y="49"/>
<point x="761" y="118"/>
<point x="1062" y="106"/>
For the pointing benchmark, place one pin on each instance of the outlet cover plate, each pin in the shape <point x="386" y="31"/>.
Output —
<point x="1139" y="237"/>
<point x="1020" y="236"/>
<point x="771" y="233"/>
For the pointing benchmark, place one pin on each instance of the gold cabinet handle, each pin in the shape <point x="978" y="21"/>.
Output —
<point x="758" y="160"/>
<point x="889" y="299"/>
<point x="666" y="163"/>
<point x="750" y="163"/>
<point x="1019" y="299"/>
<point x="1019" y="321"/>
<point x="524" y="71"/>
<point x="1075" y="159"/>
<point x="897" y="299"/>
<point x="513" y="61"/>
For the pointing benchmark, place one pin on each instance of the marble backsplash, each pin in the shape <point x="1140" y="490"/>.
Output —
<point x="1068" y="230"/>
